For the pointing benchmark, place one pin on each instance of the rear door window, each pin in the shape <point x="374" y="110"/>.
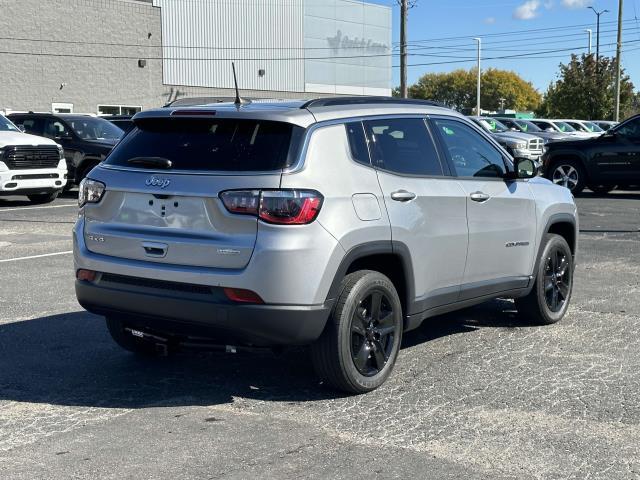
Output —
<point x="403" y="146"/>
<point x="211" y="144"/>
<point x="55" y="129"/>
<point x="30" y="125"/>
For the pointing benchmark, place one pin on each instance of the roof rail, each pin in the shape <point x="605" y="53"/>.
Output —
<point x="369" y="100"/>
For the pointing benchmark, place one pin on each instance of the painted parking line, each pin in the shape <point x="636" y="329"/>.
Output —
<point x="35" y="256"/>
<point x="34" y="208"/>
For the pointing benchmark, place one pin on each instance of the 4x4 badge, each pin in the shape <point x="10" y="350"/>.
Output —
<point x="157" y="182"/>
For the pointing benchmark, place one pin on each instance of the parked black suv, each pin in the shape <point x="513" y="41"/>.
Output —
<point x="602" y="163"/>
<point x="125" y="122"/>
<point x="86" y="140"/>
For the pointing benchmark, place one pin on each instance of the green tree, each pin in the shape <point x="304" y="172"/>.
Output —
<point x="586" y="90"/>
<point x="457" y="89"/>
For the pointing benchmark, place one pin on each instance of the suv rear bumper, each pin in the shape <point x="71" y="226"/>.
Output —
<point x="223" y="322"/>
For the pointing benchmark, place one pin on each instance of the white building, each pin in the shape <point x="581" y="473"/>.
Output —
<point x="111" y="56"/>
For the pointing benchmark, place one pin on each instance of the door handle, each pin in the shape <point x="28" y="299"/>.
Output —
<point x="402" y="196"/>
<point x="480" y="197"/>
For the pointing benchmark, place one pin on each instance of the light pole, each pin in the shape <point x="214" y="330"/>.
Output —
<point x="589" y="31"/>
<point x="618" y="58"/>
<point x="598" y="33"/>
<point x="404" y="6"/>
<point x="479" y="40"/>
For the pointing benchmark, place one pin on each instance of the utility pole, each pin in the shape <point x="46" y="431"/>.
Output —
<point x="589" y="31"/>
<point x="404" y="7"/>
<point x="479" y="40"/>
<point x="618" y="59"/>
<point x="598" y="35"/>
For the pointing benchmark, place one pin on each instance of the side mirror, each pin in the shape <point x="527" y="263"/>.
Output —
<point x="513" y="129"/>
<point x="524" y="168"/>
<point x="21" y="128"/>
<point x="549" y="129"/>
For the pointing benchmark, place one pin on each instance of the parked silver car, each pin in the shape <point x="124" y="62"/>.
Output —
<point x="338" y="223"/>
<point x="526" y="126"/>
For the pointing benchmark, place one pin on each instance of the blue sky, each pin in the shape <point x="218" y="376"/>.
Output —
<point x="431" y="19"/>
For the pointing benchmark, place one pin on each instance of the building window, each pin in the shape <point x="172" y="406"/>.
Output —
<point x="62" y="107"/>
<point x="118" y="110"/>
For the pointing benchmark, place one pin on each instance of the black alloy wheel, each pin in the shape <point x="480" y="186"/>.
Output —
<point x="548" y="300"/>
<point x="557" y="280"/>
<point x="361" y="341"/>
<point x="372" y="333"/>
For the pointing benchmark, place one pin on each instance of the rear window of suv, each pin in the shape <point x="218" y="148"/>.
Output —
<point x="211" y="144"/>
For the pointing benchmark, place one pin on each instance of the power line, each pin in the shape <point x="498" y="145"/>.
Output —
<point x="515" y="32"/>
<point x="230" y="59"/>
<point x="537" y="54"/>
<point x="520" y="56"/>
<point x="514" y="42"/>
<point x="195" y="47"/>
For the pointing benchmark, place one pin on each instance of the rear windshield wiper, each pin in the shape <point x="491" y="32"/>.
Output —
<point x="156" y="162"/>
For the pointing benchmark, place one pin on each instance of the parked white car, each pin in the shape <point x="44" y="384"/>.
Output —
<point x="605" y="124"/>
<point x="30" y="165"/>
<point x="585" y="126"/>
<point x="558" y="126"/>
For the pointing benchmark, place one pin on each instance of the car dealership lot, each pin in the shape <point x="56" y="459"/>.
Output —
<point x="475" y="394"/>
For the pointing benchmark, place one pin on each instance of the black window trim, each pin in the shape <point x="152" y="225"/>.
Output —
<point x="508" y="164"/>
<point x="446" y="170"/>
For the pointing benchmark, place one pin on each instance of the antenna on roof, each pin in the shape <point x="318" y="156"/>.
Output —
<point x="238" y="101"/>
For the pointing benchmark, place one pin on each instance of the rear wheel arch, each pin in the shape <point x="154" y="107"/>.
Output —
<point x="392" y="259"/>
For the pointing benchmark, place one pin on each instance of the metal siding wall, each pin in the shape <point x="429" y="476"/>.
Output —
<point x="201" y="38"/>
<point x="343" y="24"/>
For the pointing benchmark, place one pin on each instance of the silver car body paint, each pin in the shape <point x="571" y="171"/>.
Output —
<point x="452" y="240"/>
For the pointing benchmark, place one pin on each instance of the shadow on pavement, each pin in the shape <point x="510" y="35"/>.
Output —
<point x="615" y="195"/>
<point x="70" y="359"/>
<point x="15" y="201"/>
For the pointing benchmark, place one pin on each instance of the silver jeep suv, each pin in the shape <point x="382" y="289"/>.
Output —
<point x="337" y="223"/>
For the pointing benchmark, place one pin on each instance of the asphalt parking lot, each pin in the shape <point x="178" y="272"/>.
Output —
<point x="475" y="394"/>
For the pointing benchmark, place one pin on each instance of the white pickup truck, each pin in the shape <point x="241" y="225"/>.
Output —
<point x="30" y="165"/>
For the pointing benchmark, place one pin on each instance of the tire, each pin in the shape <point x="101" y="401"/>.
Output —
<point x="538" y="306"/>
<point x="127" y="341"/>
<point x="354" y="328"/>
<point x="569" y="174"/>
<point x="602" y="189"/>
<point x="44" y="197"/>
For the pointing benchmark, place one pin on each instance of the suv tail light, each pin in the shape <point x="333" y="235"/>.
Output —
<point x="90" y="191"/>
<point x="281" y="207"/>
